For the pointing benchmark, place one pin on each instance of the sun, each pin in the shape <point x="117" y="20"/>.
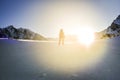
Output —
<point x="86" y="36"/>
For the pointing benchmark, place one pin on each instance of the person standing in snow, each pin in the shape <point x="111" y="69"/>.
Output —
<point x="61" y="37"/>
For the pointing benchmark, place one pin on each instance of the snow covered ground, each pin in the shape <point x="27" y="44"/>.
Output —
<point x="29" y="60"/>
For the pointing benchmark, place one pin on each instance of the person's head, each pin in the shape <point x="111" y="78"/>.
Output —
<point x="61" y="30"/>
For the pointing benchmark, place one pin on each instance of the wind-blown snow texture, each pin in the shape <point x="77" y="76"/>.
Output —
<point x="17" y="61"/>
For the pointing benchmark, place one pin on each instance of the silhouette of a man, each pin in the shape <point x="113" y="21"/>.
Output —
<point x="61" y="37"/>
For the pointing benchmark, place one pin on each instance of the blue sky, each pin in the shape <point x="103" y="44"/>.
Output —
<point x="48" y="16"/>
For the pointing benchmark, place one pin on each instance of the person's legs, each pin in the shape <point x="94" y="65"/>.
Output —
<point x="59" y="41"/>
<point x="62" y="41"/>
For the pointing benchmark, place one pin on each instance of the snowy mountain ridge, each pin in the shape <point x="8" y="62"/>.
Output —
<point x="112" y="31"/>
<point x="20" y="33"/>
<point x="117" y="21"/>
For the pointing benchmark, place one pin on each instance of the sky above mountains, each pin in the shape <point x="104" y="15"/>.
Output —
<point x="48" y="16"/>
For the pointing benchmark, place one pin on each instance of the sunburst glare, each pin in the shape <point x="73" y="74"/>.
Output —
<point x="86" y="36"/>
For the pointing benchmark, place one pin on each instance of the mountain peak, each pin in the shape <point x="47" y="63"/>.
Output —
<point x="10" y="26"/>
<point x="118" y="17"/>
<point x="117" y="20"/>
<point x="112" y="31"/>
<point x="20" y="33"/>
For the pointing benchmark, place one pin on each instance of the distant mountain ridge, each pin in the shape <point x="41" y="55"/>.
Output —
<point x="19" y="33"/>
<point x="112" y="31"/>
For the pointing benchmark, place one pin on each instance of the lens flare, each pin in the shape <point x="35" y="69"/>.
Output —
<point x="86" y="36"/>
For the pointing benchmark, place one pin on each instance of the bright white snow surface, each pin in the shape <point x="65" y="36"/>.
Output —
<point x="30" y="60"/>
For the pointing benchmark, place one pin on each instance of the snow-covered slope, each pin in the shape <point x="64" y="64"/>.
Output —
<point x="112" y="31"/>
<point x="20" y="33"/>
<point x="114" y="28"/>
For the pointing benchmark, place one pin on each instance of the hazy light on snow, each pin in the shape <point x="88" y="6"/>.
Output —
<point x="70" y="57"/>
